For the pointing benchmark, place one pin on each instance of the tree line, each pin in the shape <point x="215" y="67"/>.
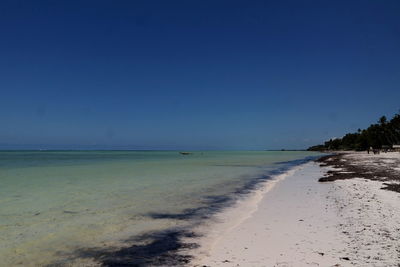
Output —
<point x="383" y="134"/>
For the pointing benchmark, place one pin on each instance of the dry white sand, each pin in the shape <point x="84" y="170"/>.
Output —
<point x="297" y="221"/>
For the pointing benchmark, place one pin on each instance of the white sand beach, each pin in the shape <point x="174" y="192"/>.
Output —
<point x="298" y="221"/>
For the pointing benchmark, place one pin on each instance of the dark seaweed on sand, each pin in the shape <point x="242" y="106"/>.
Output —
<point x="349" y="168"/>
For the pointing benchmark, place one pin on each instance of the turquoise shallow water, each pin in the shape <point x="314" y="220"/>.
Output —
<point x="55" y="202"/>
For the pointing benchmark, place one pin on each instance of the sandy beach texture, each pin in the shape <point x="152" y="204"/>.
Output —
<point x="351" y="220"/>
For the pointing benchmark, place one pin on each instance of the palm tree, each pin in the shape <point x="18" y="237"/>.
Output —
<point x="383" y="120"/>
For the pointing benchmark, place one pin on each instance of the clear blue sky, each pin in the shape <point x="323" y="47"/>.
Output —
<point x="194" y="74"/>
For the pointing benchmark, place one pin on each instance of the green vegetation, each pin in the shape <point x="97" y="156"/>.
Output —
<point x="383" y="134"/>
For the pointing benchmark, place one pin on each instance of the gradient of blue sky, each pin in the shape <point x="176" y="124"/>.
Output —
<point x="194" y="74"/>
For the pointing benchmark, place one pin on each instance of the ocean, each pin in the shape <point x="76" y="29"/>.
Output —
<point x="69" y="207"/>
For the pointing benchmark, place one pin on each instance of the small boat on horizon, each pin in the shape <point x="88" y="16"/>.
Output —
<point x="185" y="153"/>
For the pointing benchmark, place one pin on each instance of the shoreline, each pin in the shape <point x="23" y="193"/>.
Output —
<point x="212" y="231"/>
<point x="347" y="221"/>
<point x="279" y="229"/>
<point x="130" y="209"/>
<point x="176" y="245"/>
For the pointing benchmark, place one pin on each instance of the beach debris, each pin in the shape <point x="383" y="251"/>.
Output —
<point x="375" y="169"/>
